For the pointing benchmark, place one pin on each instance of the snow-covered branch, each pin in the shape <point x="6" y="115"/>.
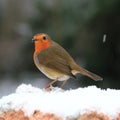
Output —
<point x="82" y="103"/>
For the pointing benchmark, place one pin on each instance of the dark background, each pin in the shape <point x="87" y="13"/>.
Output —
<point x="78" y="25"/>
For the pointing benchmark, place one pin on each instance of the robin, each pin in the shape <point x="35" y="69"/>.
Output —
<point x="55" y="62"/>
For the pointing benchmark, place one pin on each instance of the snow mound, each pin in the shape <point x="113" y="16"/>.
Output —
<point x="63" y="103"/>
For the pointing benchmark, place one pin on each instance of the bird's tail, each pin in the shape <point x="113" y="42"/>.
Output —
<point x="88" y="73"/>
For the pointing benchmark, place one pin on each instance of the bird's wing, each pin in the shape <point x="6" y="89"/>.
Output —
<point x="57" y="59"/>
<point x="60" y="67"/>
<point x="54" y="61"/>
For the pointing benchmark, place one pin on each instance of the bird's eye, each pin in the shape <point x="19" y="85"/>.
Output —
<point x="44" y="38"/>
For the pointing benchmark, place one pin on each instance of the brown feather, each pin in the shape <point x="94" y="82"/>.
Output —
<point x="58" y="59"/>
<point x="53" y="58"/>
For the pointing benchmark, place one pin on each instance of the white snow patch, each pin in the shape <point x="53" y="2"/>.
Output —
<point x="104" y="38"/>
<point x="63" y="103"/>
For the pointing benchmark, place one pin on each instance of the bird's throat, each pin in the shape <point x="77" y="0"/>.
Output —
<point x="41" y="46"/>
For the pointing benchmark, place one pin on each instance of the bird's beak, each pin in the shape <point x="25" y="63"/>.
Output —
<point x="33" y="40"/>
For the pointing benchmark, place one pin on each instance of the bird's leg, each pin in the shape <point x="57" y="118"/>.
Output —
<point x="49" y="84"/>
<point x="64" y="82"/>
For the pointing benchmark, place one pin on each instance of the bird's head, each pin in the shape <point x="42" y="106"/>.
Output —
<point x="42" y="41"/>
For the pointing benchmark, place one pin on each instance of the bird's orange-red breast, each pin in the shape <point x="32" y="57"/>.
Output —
<point x="55" y="62"/>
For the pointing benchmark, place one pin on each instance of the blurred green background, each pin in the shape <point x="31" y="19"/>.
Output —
<point x="78" y="25"/>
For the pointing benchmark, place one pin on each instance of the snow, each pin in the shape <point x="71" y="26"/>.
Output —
<point x="63" y="103"/>
<point x="104" y="38"/>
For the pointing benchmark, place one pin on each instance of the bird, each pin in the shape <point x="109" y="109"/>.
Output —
<point x="55" y="62"/>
